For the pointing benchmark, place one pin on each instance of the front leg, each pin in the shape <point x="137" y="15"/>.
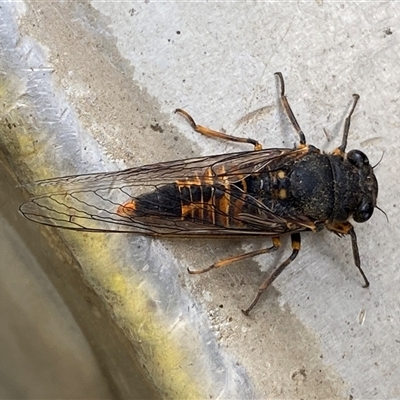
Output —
<point x="346" y="228"/>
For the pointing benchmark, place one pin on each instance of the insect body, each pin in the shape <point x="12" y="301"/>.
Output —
<point x="269" y="192"/>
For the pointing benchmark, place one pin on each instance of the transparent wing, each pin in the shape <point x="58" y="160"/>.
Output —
<point x="101" y="202"/>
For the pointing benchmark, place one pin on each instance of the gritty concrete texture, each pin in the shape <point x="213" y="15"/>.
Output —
<point x="123" y="67"/>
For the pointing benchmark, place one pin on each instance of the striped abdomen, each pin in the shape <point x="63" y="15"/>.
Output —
<point x="214" y="204"/>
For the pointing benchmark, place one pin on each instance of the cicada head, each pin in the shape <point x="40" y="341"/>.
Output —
<point x="368" y="185"/>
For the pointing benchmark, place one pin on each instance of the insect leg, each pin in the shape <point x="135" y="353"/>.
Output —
<point x="289" y="112"/>
<point x="342" y="148"/>
<point x="215" y="134"/>
<point x="296" y="243"/>
<point x="345" y="228"/>
<point x="227" y="261"/>
<point x="356" y="255"/>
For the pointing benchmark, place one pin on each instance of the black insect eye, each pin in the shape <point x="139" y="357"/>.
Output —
<point x="364" y="212"/>
<point x="357" y="158"/>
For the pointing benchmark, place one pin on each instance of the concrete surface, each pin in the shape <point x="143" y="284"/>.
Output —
<point x="44" y="353"/>
<point x="123" y="67"/>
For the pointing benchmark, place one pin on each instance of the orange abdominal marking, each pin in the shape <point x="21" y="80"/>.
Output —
<point x="127" y="209"/>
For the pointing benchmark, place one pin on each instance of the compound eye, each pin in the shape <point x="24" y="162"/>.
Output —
<point x="364" y="212"/>
<point x="357" y="158"/>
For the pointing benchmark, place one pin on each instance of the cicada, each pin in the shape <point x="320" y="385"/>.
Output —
<point x="270" y="193"/>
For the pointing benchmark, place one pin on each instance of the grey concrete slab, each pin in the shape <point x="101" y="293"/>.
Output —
<point x="124" y="67"/>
